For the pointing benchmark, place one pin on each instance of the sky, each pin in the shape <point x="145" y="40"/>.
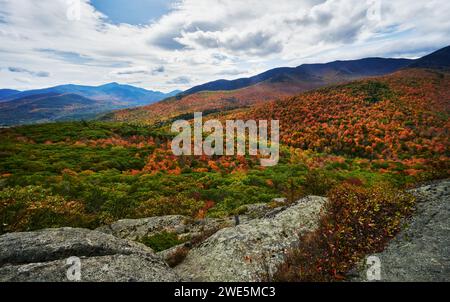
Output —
<point x="176" y="44"/>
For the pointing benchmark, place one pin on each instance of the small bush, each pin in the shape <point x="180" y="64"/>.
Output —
<point x="178" y="256"/>
<point x="242" y="210"/>
<point x="161" y="241"/>
<point x="174" y="205"/>
<point x="357" y="221"/>
<point x="292" y="190"/>
<point x="317" y="182"/>
<point x="354" y="181"/>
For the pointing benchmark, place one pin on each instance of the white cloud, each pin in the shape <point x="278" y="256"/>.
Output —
<point x="202" y="40"/>
<point x="131" y="71"/>
<point x="182" y="80"/>
<point x="39" y="74"/>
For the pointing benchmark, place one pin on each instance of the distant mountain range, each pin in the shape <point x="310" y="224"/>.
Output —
<point x="338" y="71"/>
<point x="313" y="73"/>
<point x="274" y="84"/>
<point x="111" y="92"/>
<point x="67" y="102"/>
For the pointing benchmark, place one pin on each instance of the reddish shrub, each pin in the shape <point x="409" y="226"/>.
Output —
<point x="177" y="257"/>
<point x="357" y="221"/>
<point x="354" y="181"/>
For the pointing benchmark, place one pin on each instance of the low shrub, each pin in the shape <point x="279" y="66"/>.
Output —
<point x="181" y="253"/>
<point x="242" y="210"/>
<point x="178" y="256"/>
<point x="356" y="221"/>
<point x="317" y="182"/>
<point x="161" y="241"/>
<point x="173" y="205"/>
<point x="32" y="208"/>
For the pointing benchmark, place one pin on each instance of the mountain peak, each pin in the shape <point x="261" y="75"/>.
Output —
<point x="112" y="84"/>
<point x="439" y="59"/>
<point x="5" y="93"/>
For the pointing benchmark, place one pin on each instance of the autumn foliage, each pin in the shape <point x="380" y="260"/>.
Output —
<point x="356" y="221"/>
<point x="387" y="129"/>
<point x="401" y="117"/>
<point x="31" y="207"/>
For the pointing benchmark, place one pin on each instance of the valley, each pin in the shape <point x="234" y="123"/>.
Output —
<point x="71" y="102"/>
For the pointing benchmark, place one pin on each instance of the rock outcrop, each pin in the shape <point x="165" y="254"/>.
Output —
<point x="185" y="227"/>
<point x="421" y="252"/>
<point x="251" y="251"/>
<point x="136" y="229"/>
<point x="43" y="255"/>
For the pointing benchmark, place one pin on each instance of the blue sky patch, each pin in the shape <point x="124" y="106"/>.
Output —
<point x="134" y="12"/>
